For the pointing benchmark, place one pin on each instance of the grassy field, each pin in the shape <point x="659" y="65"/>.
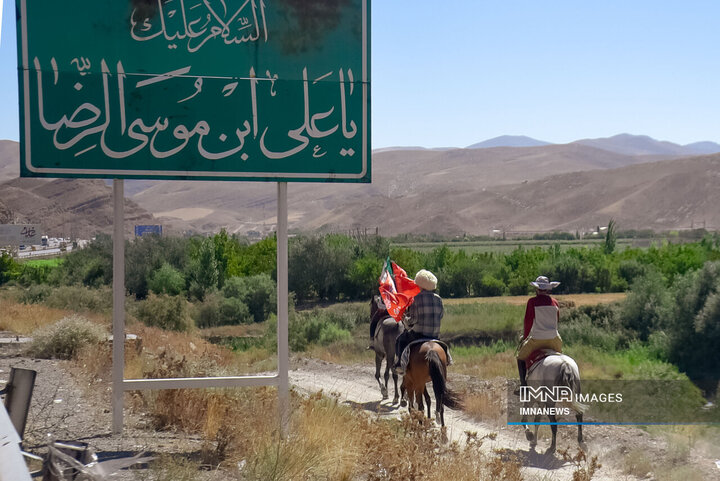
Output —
<point x="507" y="246"/>
<point x="53" y="262"/>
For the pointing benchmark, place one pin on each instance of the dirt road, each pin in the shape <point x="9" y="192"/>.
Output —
<point x="355" y="385"/>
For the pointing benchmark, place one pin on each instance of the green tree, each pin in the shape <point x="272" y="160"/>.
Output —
<point x="610" y="238"/>
<point x="694" y="326"/>
<point x="167" y="280"/>
<point x="202" y="272"/>
<point x="258" y="293"/>
<point x="9" y="269"/>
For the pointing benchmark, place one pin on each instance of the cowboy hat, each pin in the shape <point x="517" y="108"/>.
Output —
<point x="544" y="284"/>
<point x="426" y="280"/>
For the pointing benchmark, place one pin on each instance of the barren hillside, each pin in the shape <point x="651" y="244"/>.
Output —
<point x="414" y="190"/>
<point x="66" y="207"/>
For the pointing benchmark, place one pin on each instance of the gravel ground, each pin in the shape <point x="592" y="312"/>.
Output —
<point x="64" y="409"/>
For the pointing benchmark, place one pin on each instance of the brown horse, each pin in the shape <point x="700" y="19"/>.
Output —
<point x="428" y="362"/>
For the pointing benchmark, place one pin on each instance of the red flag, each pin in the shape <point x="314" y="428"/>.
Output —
<point x="397" y="293"/>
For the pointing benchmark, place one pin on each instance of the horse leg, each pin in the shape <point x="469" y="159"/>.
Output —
<point x="427" y="400"/>
<point x="410" y="399"/>
<point x="395" y="381"/>
<point x="378" y="365"/>
<point x="581" y="442"/>
<point x="403" y="394"/>
<point x="553" y="428"/>
<point x="533" y="435"/>
<point x="387" y="377"/>
<point x="528" y="434"/>
<point x="419" y="399"/>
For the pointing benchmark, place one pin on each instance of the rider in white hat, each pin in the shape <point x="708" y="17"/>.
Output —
<point x="542" y="314"/>
<point x="423" y="317"/>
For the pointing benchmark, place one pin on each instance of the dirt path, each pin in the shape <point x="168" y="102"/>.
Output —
<point x="65" y="409"/>
<point x="356" y="386"/>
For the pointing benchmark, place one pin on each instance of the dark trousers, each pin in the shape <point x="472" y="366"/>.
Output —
<point x="373" y="325"/>
<point x="402" y="341"/>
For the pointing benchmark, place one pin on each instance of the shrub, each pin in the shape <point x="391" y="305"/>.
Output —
<point x="258" y="293"/>
<point x="647" y="306"/>
<point x="167" y="280"/>
<point x="65" y="338"/>
<point x="207" y="313"/>
<point x="165" y="312"/>
<point x="518" y="286"/>
<point x="489" y="286"/>
<point x="36" y="294"/>
<point x="331" y="333"/>
<point x="9" y="269"/>
<point x="80" y="298"/>
<point x="323" y="326"/>
<point x="35" y="273"/>
<point x="631" y="269"/>
<point x="234" y="311"/>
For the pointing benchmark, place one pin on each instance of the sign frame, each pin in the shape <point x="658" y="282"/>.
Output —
<point x="361" y="170"/>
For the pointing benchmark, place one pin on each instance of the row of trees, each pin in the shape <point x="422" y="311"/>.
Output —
<point x="339" y="267"/>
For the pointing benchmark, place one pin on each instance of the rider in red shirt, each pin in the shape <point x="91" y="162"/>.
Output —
<point x="542" y="314"/>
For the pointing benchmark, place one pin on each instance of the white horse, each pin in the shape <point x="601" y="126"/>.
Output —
<point x="551" y="371"/>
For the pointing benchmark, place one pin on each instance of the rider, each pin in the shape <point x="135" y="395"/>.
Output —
<point x="377" y="311"/>
<point x="542" y="314"/>
<point x="423" y="317"/>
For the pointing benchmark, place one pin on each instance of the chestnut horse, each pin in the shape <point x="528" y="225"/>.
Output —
<point x="428" y="362"/>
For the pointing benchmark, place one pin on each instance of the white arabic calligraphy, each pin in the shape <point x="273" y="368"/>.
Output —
<point x="165" y="137"/>
<point x="201" y="23"/>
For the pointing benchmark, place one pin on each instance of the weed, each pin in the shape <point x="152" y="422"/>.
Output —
<point x="65" y="338"/>
<point x="584" y="468"/>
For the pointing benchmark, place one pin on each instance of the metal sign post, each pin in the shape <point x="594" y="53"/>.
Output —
<point x="282" y="309"/>
<point x="118" y="345"/>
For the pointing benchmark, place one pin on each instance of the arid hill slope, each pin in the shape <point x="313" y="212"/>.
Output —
<point x="451" y="191"/>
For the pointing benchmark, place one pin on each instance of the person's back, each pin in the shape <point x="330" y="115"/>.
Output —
<point x="424" y="315"/>
<point x="540" y="329"/>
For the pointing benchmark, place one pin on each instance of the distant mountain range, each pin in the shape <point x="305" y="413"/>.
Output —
<point x="508" y="141"/>
<point x="622" y="144"/>
<point x="638" y="181"/>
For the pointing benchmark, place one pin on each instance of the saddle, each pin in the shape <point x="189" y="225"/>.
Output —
<point x="538" y="355"/>
<point x="405" y="356"/>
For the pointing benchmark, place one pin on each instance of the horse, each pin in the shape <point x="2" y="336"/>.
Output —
<point x="555" y="370"/>
<point x="428" y="362"/>
<point x="386" y="332"/>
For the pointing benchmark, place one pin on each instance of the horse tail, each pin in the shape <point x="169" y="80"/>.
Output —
<point x="437" y="373"/>
<point x="569" y="379"/>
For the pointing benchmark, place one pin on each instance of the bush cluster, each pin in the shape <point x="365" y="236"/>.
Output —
<point x="166" y="312"/>
<point x="324" y="326"/>
<point x="65" y="338"/>
<point x="338" y="267"/>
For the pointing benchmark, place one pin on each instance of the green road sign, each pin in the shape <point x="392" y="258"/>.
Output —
<point x="272" y="90"/>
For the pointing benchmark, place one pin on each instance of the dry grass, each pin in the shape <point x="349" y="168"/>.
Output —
<point x="576" y="299"/>
<point x="487" y="405"/>
<point x="327" y="439"/>
<point x="488" y="366"/>
<point x="23" y="319"/>
<point x="637" y="463"/>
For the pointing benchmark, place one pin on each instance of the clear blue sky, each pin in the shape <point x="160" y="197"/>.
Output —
<point x="453" y="73"/>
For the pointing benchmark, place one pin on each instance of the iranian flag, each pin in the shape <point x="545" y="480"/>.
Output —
<point x="396" y="289"/>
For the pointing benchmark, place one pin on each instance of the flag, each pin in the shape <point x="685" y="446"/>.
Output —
<point x="396" y="289"/>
